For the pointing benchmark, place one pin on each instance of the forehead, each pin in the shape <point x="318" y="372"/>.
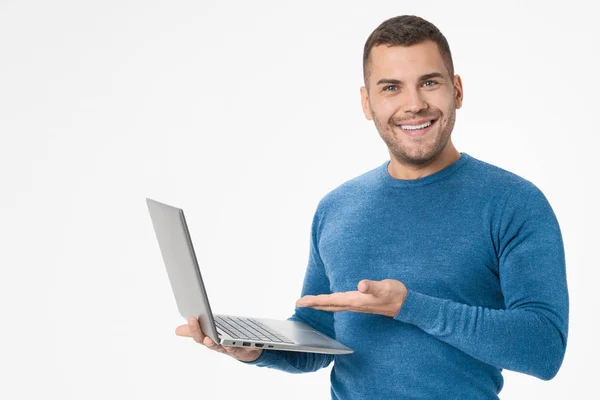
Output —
<point x="405" y="62"/>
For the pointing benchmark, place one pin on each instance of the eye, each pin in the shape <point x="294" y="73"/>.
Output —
<point x="390" y="88"/>
<point x="429" y="83"/>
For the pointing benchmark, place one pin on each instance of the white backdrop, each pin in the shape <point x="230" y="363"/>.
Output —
<point x="245" y="114"/>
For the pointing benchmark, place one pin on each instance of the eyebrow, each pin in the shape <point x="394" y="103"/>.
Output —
<point x="398" y="82"/>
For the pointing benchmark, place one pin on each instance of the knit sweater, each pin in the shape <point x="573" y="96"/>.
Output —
<point x="480" y="252"/>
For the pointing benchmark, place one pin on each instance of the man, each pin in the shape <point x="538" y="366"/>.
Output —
<point x="438" y="269"/>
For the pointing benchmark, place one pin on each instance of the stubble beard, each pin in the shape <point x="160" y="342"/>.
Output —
<point x="425" y="155"/>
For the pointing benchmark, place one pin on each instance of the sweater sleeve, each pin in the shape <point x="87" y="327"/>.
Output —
<point x="530" y="334"/>
<point x="315" y="282"/>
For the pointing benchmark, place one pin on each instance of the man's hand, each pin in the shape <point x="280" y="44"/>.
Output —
<point x="374" y="297"/>
<point x="192" y="329"/>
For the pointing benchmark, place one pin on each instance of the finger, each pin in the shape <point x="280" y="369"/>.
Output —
<point x="376" y="288"/>
<point x="321" y="299"/>
<point x="208" y="342"/>
<point x="234" y="351"/>
<point x="240" y="353"/>
<point x="363" y="286"/>
<point x="183" y="330"/>
<point x="332" y="308"/>
<point x="327" y="300"/>
<point x="195" y="331"/>
<point x="305" y="301"/>
<point x="219" y="349"/>
<point x="216" y="347"/>
<point x="345" y="299"/>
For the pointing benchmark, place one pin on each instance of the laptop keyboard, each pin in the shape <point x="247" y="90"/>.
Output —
<point x="248" y="328"/>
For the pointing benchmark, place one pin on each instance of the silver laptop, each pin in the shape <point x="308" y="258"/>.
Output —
<point x="190" y="295"/>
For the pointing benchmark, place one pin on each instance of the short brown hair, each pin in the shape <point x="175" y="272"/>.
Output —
<point x="406" y="30"/>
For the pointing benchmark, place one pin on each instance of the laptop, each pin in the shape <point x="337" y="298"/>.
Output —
<point x="180" y="260"/>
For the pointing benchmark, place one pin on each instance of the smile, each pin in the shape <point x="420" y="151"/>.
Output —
<point x="417" y="128"/>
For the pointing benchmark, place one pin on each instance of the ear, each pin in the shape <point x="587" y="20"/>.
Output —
<point x="364" y="99"/>
<point x="458" y="91"/>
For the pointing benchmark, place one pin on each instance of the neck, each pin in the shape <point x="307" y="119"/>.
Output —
<point x="405" y="171"/>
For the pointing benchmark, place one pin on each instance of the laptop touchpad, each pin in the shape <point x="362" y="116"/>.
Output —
<point x="311" y="338"/>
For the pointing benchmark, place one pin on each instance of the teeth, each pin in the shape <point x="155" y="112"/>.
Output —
<point x="415" y="127"/>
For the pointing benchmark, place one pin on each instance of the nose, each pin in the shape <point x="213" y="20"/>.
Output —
<point x="413" y="102"/>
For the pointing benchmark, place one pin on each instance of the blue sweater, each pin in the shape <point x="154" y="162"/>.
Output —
<point x="481" y="253"/>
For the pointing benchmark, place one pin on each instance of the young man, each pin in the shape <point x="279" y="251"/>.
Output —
<point x="438" y="269"/>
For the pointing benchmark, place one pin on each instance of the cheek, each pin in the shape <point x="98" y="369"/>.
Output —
<point x="448" y="102"/>
<point x="383" y="110"/>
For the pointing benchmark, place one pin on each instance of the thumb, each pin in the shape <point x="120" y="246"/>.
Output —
<point x="369" y="287"/>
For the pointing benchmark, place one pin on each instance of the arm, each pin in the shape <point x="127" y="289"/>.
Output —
<point x="530" y="334"/>
<point x="315" y="282"/>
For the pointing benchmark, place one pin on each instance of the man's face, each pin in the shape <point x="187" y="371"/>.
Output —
<point x="412" y="99"/>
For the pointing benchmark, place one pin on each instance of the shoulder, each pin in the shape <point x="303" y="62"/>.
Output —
<point x="514" y="194"/>
<point x="493" y="174"/>
<point x="501" y="182"/>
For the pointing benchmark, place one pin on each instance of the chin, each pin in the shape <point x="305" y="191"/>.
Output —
<point x="418" y="157"/>
<point x="419" y="161"/>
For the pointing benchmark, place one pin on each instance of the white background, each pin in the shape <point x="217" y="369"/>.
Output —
<point x="245" y="114"/>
